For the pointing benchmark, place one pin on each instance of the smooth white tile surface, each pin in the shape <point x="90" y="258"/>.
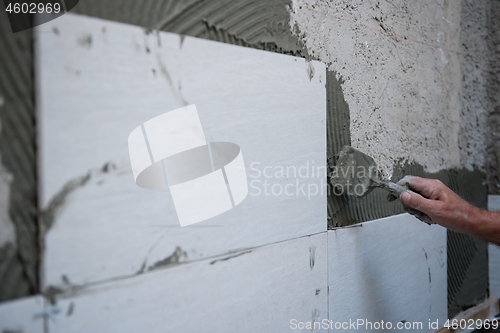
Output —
<point x="259" y="291"/>
<point x="494" y="202"/>
<point x="392" y="269"/>
<point x="494" y="252"/>
<point x="92" y="96"/>
<point x="494" y="269"/>
<point x="165" y="137"/>
<point x="22" y="315"/>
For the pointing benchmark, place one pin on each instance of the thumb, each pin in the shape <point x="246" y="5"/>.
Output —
<point x="416" y="201"/>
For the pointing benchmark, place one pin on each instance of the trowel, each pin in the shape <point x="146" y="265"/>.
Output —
<point x="359" y="173"/>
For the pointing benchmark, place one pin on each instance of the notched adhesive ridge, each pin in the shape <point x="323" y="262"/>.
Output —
<point x="19" y="261"/>
<point x="259" y="24"/>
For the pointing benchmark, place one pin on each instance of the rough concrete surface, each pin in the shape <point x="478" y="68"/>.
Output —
<point x="402" y="65"/>
<point x="493" y="85"/>
<point x="480" y="97"/>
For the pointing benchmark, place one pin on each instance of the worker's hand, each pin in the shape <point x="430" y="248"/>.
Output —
<point x="441" y="204"/>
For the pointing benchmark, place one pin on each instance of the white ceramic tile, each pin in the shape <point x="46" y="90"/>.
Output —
<point x="24" y="315"/>
<point x="91" y="97"/>
<point x="259" y="291"/>
<point x="494" y="252"/>
<point x="494" y="269"/>
<point x="392" y="269"/>
<point x="494" y="202"/>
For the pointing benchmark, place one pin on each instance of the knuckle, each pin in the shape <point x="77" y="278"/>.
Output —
<point x="438" y="209"/>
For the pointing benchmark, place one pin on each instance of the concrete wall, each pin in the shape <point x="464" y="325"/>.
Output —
<point x="419" y="78"/>
<point x="412" y="84"/>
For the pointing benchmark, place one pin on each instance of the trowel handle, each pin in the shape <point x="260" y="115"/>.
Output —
<point x="396" y="191"/>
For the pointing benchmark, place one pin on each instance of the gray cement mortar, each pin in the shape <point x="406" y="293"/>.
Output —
<point x="19" y="255"/>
